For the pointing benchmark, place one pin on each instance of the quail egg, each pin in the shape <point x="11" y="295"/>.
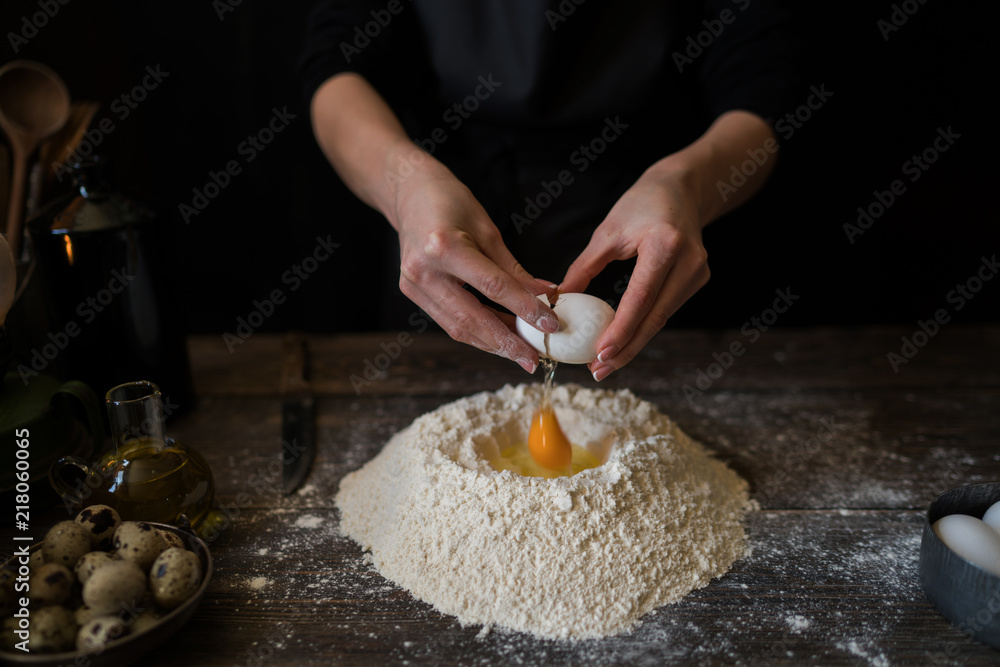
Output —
<point x="171" y="539"/>
<point x="100" y="521"/>
<point x="96" y="633"/>
<point x="147" y="619"/>
<point x="53" y="629"/>
<point x="50" y="584"/>
<point x="174" y="577"/>
<point x="116" y="584"/>
<point x="138" y="542"/>
<point x="65" y="543"/>
<point x="89" y="564"/>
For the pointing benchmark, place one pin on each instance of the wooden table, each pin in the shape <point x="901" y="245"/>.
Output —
<point x="842" y="453"/>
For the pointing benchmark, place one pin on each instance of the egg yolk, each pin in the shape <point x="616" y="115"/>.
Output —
<point x="549" y="446"/>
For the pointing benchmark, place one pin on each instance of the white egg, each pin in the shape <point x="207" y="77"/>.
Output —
<point x="582" y="320"/>
<point x="971" y="539"/>
<point x="992" y="517"/>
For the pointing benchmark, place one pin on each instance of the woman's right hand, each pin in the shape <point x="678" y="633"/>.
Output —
<point x="447" y="240"/>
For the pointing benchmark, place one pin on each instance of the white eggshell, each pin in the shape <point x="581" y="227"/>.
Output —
<point x="582" y="320"/>
<point x="992" y="517"/>
<point x="971" y="539"/>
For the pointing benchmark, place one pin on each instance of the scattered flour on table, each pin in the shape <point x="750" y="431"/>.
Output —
<point x="309" y="521"/>
<point x="258" y="583"/>
<point x="797" y="622"/>
<point x="572" y="557"/>
<point x="856" y="649"/>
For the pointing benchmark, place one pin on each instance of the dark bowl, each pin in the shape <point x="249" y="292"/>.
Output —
<point x="130" y="647"/>
<point x="965" y="594"/>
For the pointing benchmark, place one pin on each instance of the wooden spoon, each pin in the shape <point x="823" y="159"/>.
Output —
<point x="34" y="104"/>
<point x="55" y="152"/>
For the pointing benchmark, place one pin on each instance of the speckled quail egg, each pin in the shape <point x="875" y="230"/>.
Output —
<point x="85" y="614"/>
<point x="53" y="629"/>
<point x="36" y="560"/>
<point x="138" y="542"/>
<point x="145" y="620"/>
<point x="65" y="543"/>
<point x="50" y="584"/>
<point x="171" y="539"/>
<point x="98" y="632"/>
<point x="174" y="577"/>
<point x="89" y="564"/>
<point x="101" y="522"/>
<point x="118" y="583"/>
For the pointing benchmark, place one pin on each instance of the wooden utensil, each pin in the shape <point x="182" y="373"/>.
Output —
<point x="4" y="184"/>
<point x="34" y="104"/>
<point x="57" y="149"/>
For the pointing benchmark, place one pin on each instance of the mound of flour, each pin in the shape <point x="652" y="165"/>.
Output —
<point x="571" y="557"/>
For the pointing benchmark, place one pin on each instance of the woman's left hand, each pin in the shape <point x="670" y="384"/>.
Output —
<point x="658" y="221"/>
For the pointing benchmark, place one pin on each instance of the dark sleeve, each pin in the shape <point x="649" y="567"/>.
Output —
<point x="751" y="63"/>
<point x="379" y="40"/>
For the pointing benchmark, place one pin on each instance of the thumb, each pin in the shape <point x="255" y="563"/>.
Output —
<point x="586" y="267"/>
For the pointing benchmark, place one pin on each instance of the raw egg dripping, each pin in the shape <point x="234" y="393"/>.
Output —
<point x="548" y="452"/>
<point x="549" y="446"/>
<point x="547" y="443"/>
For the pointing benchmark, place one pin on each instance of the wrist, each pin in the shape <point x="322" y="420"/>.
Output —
<point x="403" y="165"/>
<point x="409" y="174"/>
<point x="684" y="177"/>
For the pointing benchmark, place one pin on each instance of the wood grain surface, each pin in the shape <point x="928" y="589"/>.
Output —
<point x="842" y="453"/>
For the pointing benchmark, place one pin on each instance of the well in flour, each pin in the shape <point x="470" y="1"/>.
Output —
<point x="576" y="556"/>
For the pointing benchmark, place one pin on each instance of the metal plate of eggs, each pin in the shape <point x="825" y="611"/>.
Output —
<point x="105" y="589"/>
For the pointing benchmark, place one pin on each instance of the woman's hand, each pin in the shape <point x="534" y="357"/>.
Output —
<point x="446" y="238"/>
<point x="446" y="241"/>
<point x="657" y="220"/>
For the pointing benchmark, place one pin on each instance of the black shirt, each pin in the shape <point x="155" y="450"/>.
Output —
<point x="549" y="110"/>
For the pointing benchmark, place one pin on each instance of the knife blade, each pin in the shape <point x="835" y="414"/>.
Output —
<point x="298" y="414"/>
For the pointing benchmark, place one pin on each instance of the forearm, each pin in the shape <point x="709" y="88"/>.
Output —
<point x="707" y="165"/>
<point x="362" y="138"/>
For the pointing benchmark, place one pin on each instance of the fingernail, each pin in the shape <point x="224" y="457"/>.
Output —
<point x="602" y="372"/>
<point x="548" y="324"/>
<point x="527" y="364"/>
<point x="607" y="353"/>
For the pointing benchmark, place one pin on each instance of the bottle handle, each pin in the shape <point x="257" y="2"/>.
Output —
<point x="91" y="406"/>
<point x="83" y="396"/>
<point x="71" y="495"/>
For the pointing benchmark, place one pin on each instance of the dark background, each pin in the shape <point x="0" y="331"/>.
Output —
<point x="227" y="74"/>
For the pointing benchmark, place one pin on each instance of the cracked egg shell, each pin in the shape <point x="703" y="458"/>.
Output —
<point x="583" y="319"/>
